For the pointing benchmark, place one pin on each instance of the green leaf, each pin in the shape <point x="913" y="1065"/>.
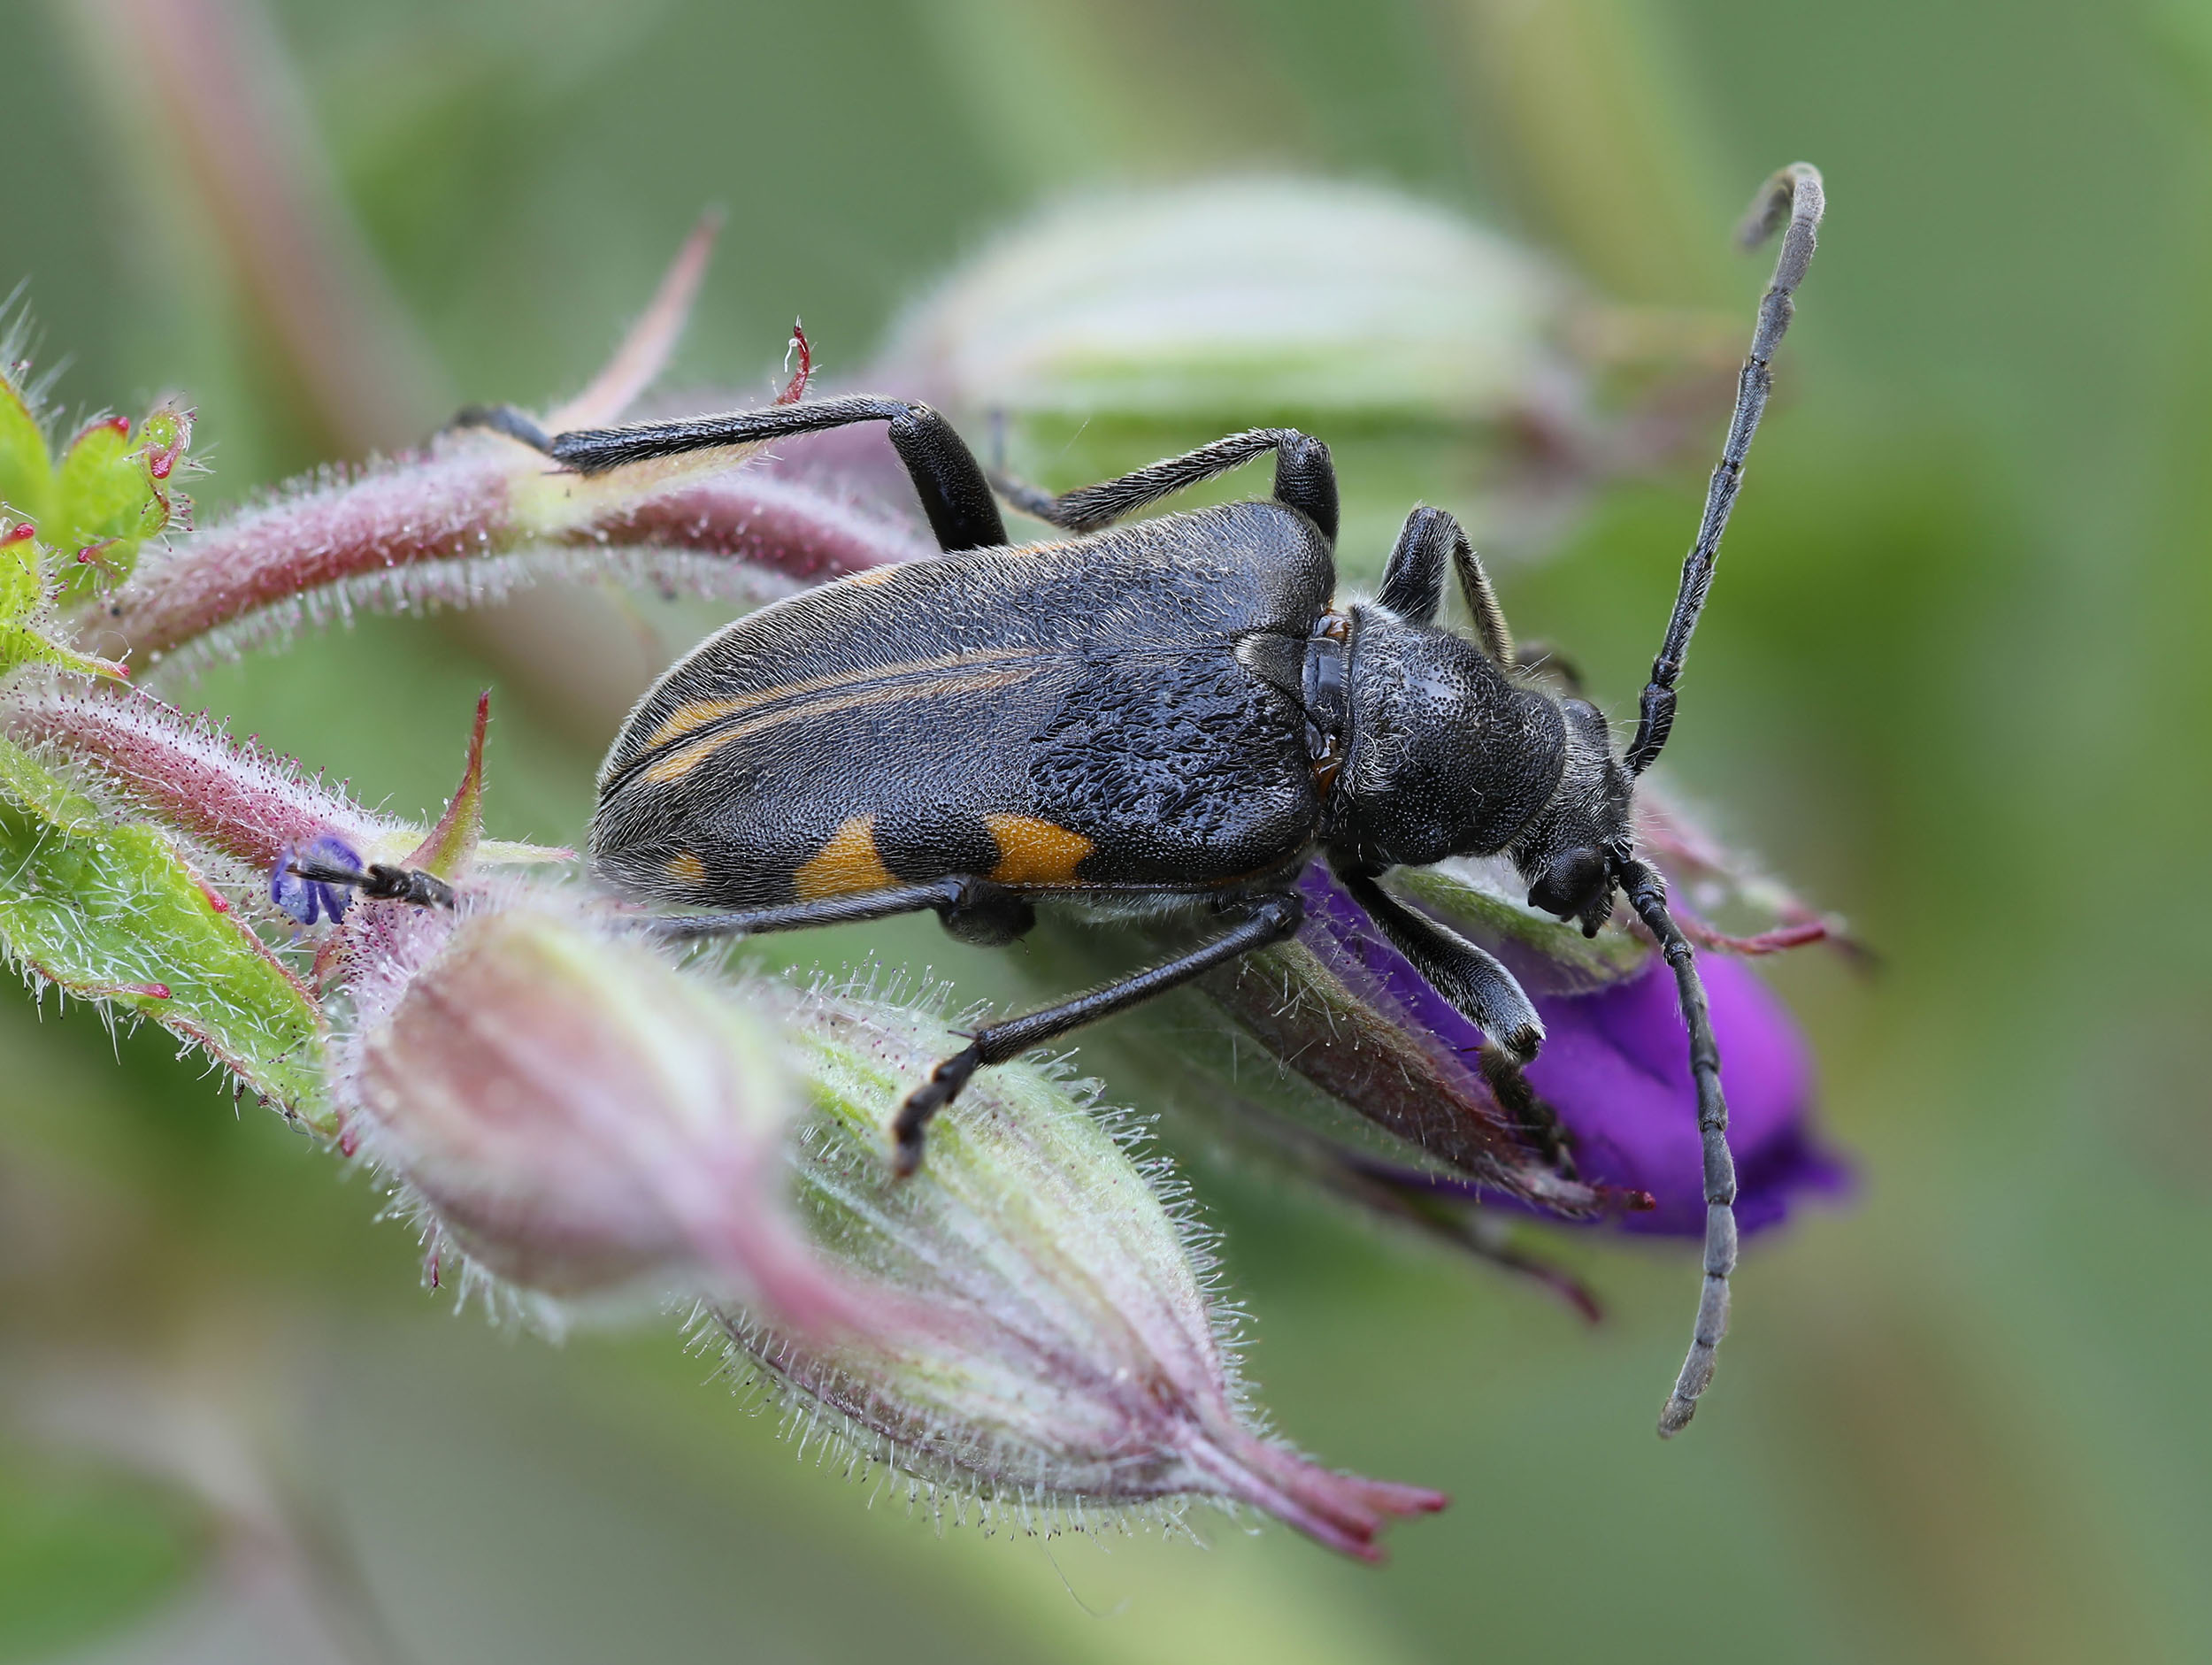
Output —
<point x="110" y="912"/>
<point x="82" y="1552"/>
<point x="26" y="618"/>
<point x="111" y="494"/>
<point x="26" y="473"/>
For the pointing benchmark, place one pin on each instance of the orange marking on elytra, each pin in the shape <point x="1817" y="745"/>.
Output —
<point x="686" y="868"/>
<point x="1033" y="852"/>
<point x="848" y="863"/>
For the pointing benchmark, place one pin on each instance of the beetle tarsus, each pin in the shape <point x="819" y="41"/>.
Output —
<point x="912" y="1121"/>
<point x="380" y="881"/>
<point x="502" y="418"/>
<point x="949" y="481"/>
<point x="1510" y="1084"/>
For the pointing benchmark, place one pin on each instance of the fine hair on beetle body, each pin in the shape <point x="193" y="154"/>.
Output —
<point x="1175" y="712"/>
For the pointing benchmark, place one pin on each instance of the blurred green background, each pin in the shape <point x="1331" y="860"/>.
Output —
<point x="1953" y="683"/>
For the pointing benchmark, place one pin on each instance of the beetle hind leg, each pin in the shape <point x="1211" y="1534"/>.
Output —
<point x="502" y="418"/>
<point x="1268" y="918"/>
<point x="946" y="475"/>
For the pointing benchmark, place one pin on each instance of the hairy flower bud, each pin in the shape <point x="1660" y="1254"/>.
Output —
<point x="1436" y="355"/>
<point x="1059" y="1354"/>
<point x="572" y="1113"/>
<point x="1217" y="300"/>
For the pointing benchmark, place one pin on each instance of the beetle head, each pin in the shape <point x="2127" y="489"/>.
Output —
<point x="1569" y="851"/>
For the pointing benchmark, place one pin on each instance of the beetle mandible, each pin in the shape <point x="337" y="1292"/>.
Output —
<point x="1173" y="714"/>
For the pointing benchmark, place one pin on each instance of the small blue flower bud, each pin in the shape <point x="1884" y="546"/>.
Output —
<point x="309" y="900"/>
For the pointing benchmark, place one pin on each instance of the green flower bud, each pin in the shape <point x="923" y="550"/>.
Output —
<point x="1441" y="360"/>
<point x="1055" y="1350"/>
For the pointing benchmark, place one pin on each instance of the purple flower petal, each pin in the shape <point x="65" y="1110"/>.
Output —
<point x="1616" y="1067"/>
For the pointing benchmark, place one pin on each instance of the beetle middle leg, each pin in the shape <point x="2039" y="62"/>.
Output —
<point x="974" y="909"/>
<point x="1305" y="480"/>
<point x="1268" y="918"/>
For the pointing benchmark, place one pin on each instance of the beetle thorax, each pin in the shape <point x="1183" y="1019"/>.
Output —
<point x="1436" y="750"/>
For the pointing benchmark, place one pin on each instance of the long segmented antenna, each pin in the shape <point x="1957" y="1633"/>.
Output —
<point x="1794" y="194"/>
<point x="1647" y="895"/>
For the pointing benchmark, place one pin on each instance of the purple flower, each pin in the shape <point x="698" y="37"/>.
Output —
<point x="308" y="900"/>
<point x="1614" y="1066"/>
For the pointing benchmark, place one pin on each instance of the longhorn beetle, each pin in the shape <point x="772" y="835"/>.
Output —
<point x="1168" y="715"/>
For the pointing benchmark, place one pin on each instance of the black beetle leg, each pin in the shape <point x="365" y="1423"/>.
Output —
<point x="1413" y="577"/>
<point x="1269" y="918"/>
<point x="502" y="418"/>
<point x="380" y="881"/>
<point x="1413" y="581"/>
<point x="1305" y="480"/>
<point x="947" y="479"/>
<point x="1488" y="994"/>
<point x="974" y="909"/>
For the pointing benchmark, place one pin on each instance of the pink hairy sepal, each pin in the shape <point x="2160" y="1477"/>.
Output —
<point x="230" y="795"/>
<point x="767" y="521"/>
<point x="465" y="523"/>
<point x="465" y="520"/>
<point x="400" y="515"/>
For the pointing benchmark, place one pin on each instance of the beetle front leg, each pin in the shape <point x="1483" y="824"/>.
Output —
<point x="1413" y="581"/>
<point x="1486" y="993"/>
<point x="1269" y="919"/>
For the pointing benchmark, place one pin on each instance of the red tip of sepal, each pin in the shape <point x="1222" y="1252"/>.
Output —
<point x="162" y="459"/>
<point x="453" y="841"/>
<point x="803" y="351"/>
